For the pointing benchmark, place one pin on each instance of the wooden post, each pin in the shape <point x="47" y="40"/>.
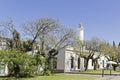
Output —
<point x="110" y="72"/>
<point x="110" y="69"/>
<point x="103" y="69"/>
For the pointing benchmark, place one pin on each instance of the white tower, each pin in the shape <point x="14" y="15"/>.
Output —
<point x="81" y="32"/>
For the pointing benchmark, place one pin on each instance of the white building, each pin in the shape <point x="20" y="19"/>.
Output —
<point x="3" y="66"/>
<point x="69" y="60"/>
<point x="3" y="69"/>
<point x="3" y="43"/>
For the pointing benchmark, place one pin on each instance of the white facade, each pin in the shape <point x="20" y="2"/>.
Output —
<point x="64" y="61"/>
<point x="3" y="44"/>
<point x="3" y="69"/>
<point x="90" y="66"/>
<point x="3" y="66"/>
<point x="101" y="63"/>
<point x="68" y="60"/>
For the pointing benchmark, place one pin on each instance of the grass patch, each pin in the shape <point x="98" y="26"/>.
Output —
<point x="56" y="77"/>
<point x="67" y="76"/>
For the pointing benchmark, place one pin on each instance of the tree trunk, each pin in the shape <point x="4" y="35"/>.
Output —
<point x="86" y="64"/>
<point x="95" y="64"/>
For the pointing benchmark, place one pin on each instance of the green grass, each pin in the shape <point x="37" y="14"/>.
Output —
<point x="57" y="77"/>
<point x="68" y="76"/>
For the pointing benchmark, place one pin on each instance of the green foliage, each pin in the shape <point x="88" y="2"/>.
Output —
<point x="39" y="59"/>
<point x="20" y="64"/>
<point x="26" y="45"/>
<point x="46" y="72"/>
<point x="40" y="63"/>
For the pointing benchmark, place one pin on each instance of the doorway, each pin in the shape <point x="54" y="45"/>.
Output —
<point x="78" y="62"/>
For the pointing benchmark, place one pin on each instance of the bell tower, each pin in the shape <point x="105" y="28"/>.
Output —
<point x="81" y="32"/>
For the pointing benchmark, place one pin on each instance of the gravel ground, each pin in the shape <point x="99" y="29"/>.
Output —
<point x="109" y="78"/>
<point x="106" y="77"/>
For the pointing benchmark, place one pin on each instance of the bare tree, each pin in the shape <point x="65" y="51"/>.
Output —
<point x="2" y="33"/>
<point x="37" y="30"/>
<point x="93" y="47"/>
<point x="9" y="26"/>
<point x="60" y="38"/>
<point x="49" y="33"/>
<point x="51" y="36"/>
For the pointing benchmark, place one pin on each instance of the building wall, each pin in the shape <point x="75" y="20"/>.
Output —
<point x="82" y="68"/>
<point x="100" y="62"/>
<point x="90" y="66"/>
<point x="3" y="44"/>
<point x="68" y="55"/>
<point x="64" y="61"/>
<point x="3" y="69"/>
<point x="3" y="66"/>
<point x="61" y="60"/>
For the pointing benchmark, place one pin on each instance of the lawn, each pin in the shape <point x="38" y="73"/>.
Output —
<point x="57" y="77"/>
<point x="89" y="75"/>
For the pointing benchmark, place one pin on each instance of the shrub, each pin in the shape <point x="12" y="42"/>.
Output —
<point x="20" y="64"/>
<point x="46" y="72"/>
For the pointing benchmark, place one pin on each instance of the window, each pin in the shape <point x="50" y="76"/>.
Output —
<point x="72" y="59"/>
<point x="78" y="62"/>
<point x="2" y="68"/>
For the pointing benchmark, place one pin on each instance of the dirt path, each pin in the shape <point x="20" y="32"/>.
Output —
<point x="109" y="78"/>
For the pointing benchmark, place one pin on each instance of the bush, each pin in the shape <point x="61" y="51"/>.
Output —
<point x="20" y="64"/>
<point x="47" y="72"/>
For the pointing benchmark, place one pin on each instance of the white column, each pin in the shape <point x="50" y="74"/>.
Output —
<point x="81" y="32"/>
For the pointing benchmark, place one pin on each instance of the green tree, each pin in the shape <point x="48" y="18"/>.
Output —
<point x="92" y="47"/>
<point x="114" y="44"/>
<point x="118" y="50"/>
<point x="20" y="64"/>
<point x="111" y="53"/>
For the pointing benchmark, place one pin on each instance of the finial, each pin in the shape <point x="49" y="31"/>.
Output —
<point x="81" y="26"/>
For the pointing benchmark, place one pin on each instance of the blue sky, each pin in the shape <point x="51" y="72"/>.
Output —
<point x="101" y="18"/>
